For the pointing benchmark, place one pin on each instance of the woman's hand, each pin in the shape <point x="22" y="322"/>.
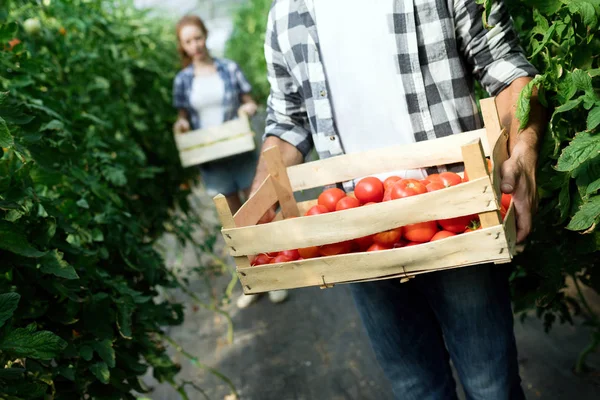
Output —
<point x="249" y="108"/>
<point x="182" y="125"/>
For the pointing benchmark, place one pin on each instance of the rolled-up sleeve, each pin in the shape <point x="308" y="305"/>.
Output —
<point x="494" y="54"/>
<point x="179" y="97"/>
<point x="287" y="118"/>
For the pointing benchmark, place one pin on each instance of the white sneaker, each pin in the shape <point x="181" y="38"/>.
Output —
<point x="278" y="296"/>
<point x="245" y="300"/>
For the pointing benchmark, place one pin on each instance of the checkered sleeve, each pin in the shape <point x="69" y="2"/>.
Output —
<point x="179" y="98"/>
<point x="287" y="117"/>
<point x="494" y="54"/>
<point x="241" y="81"/>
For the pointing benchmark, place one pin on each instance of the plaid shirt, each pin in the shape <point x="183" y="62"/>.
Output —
<point x="235" y="82"/>
<point x="441" y="45"/>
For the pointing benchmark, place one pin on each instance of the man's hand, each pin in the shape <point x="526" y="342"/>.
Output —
<point x="182" y="125"/>
<point x="518" y="172"/>
<point x="518" y="179"/>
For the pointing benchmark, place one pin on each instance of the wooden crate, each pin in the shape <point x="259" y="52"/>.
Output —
<point x="203" y="145"/>
<point x="495" y="242"/>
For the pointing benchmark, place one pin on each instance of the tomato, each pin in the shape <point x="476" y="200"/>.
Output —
<point x="388" y="238"/>
<point x="369" y="190"/>
<point x="445" y="178"/>
<point x="412" y="244"/>
<point x="420" y="232"/>
<point x="406" y="188"/>
<point x="364" y="242"/>
<point x="336" y="248"/>
<point x="473" y="226"/>
<point x="506" y="200"/>
<point x="330" y="197"/>
<point x="262" y="259"/>
<point x="400" y="243"/>
<point x="432" y="186"/>
<point x="502" y="212"/>
<point x="309" y="252"/>
<point x="387" y="196"/>
<point x="293" y="254"/>
<point x="489" y="169"/>
<point x="457" y="224"/>
<point x="442" y="235"/>
<point x="12" y="43"/>
<point x="378" y="246"/>
<point x="281" y="259"/>
<point x="389" y="181"/>
<point x="316" y="210"/>
<point x="346" y="203"/>
<point x="368" y="204"/>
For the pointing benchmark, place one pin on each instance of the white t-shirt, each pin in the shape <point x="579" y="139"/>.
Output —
<point x="207" y="99"/>
<point x="365" y="86"/>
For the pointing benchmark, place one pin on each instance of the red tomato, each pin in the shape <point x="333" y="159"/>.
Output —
<point x="309" y="252"/>
<point x="450" y="178"/>
<point x="368" y="204"/>
<point x="432" y="186"/>
<point x="412" y="244"/>
<point x="12" y="43"/>
<point x="378" y="246"/>
<point x="316" y="210"/>
<point x="505" y="200"/>
<point x="330" y="197"/>
<point x="442" y="235"/>
<point x="369" y="190"/>
<point x="389" y="181"/>
<point x="457" y="224"/>
<point x="262" y="259"/>
<point x="400" y="243"/>
<point x="388" y="238"/>
<point x="406" y="188"/>
<point x="387" y="196"/>
<point x="420" y="232"/>
<point x="346" y="203"/>
<point x="502" y="212"/>
<point x="364" y="242"/>
<point x="293" y="254"/>
<point x="281" y="259"/>
<point x="336" y="248"/>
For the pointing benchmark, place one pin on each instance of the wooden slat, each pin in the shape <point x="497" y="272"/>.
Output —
<point x="217" y="150"/>
<point x="491" y="121"/>
<point x="476" y="166"/>
<point x="467" y="198"/>
<point x="499" y="156"/>
<point x="214" y="133"/>
<point x="510" y="229"/>
<point x="257" y="205"/>
<point x="278" y="172"/>
<point x="227" y="221"/>
<point x="350" y="166"/>
<point x="465" y="249"/>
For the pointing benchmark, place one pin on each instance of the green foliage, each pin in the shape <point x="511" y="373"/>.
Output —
<point x="88" y="173"/>
<point x="246" y="45"/>
<point x="561" y="39"/>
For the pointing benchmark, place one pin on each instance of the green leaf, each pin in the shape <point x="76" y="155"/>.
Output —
<point x="593" y="187"/>
<point x="11" y="373"/>
<point x="587" y="215"/>
<point x="86" y="352"/>
<point x="67" y="371"/>
<point x="523" y="104"/>
<point x="583" y="147"/>
<point x="23" y="342"/>
<point x="8" y="305"/>
<point x="13" y="240"/>
<point x="593" y="118"/>
<point x="53" y="263"/>
<point x="106" y="351"/>
<point x="55" y="125"/>
<point x="124" y="317"/>
<point x="100" y="370"/>
<point x="83" y="203"/>
<point x="115" y="175"/>
<point x="585" y="9"/>
<point x="6" y="139"/>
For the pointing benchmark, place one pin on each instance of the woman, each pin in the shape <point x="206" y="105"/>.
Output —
<point x="207" y="92"/>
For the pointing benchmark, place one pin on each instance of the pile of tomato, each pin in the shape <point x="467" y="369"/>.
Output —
<point x="372" y="190"/>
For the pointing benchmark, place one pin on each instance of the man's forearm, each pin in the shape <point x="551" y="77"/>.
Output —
<point x="290" y="154"/>
<point x="506" y="102"/>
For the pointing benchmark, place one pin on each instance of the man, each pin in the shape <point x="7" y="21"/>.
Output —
<point x="350" y="75"/>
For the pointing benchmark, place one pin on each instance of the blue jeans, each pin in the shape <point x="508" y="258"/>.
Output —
<point x="464" y="314"/>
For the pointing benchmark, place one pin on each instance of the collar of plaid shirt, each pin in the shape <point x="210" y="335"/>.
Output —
<point x="441" y="45"/>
